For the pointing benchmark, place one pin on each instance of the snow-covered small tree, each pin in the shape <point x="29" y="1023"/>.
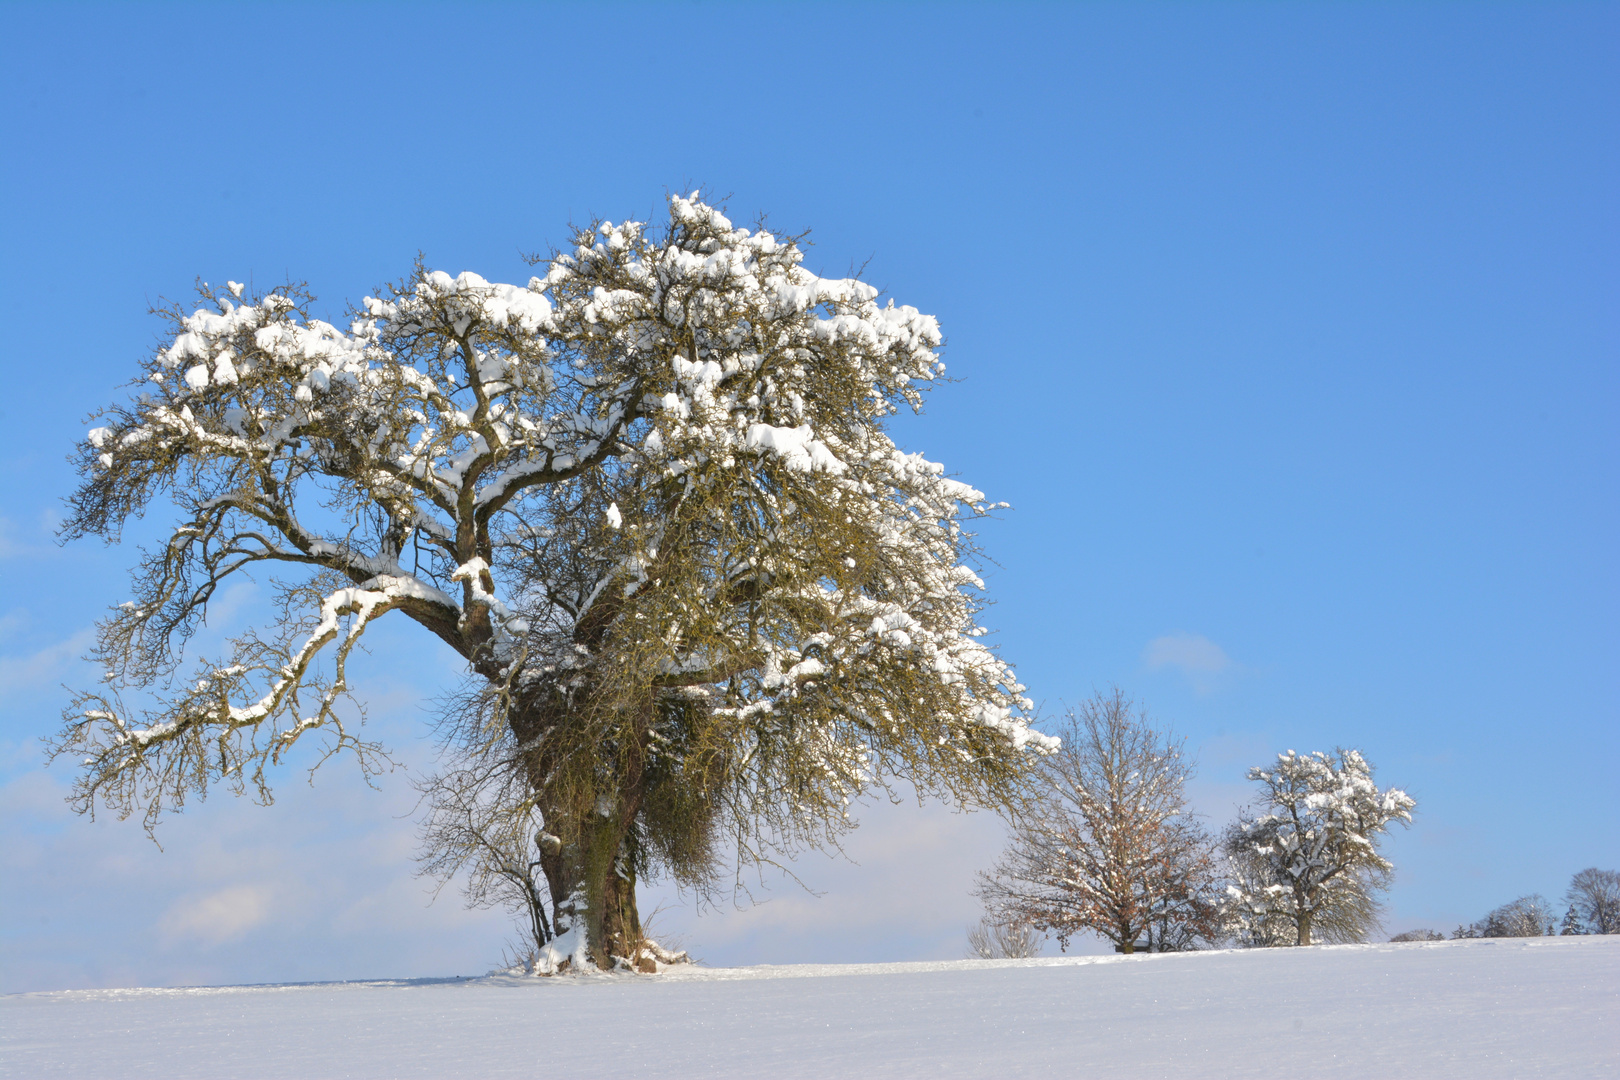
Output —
<point x="1105" y="843"/>
<point x="1305" y="862"/>
<point x="1571" y="924"/>
<point x="648" y="499"/>
<point x="1594" y="896"/>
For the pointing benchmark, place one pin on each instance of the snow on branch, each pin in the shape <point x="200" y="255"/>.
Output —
<point x="214" y="730"/>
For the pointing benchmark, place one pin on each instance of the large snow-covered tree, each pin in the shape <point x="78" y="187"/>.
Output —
<point x="703" y="598"/>
<point x="1106" y="843"/>
<point x="1306" y="862"/>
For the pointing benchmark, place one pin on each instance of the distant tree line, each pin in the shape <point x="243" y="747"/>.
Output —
<point x="1591" y="906"/>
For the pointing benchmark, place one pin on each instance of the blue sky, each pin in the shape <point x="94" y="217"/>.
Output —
<point x="1289" y="331"/>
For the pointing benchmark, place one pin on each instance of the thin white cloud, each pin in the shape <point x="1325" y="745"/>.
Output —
<point x="219" y="916"/>
<point x="906" y="890"/>
<point x="229" y="603"/>
<point x="9" y="546"/>
<point x="39" y="546"/>
<point x="1194" y="654"/>
<point x="13" y="623"/>
<point x="45" y="666"/>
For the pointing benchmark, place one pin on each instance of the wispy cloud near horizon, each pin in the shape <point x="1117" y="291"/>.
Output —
<point x="219" y="916"/>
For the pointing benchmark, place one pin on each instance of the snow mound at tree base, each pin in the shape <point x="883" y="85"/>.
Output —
<point x="1475" y="1009"/>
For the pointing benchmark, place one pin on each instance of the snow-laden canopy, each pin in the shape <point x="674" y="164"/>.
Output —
<point x="665" y="456"/>
<point x="1310" y="857"/>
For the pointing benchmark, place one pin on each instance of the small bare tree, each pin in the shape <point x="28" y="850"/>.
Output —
<point x="996" y="939"/>
<point x="1106" y="843"/>
<point x="491" y="841"/>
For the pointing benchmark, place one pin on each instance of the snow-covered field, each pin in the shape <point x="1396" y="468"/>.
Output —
<point x="1472" y="1009"/>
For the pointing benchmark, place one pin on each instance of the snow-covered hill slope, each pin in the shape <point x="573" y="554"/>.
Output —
<point x="1470" y="1009"/>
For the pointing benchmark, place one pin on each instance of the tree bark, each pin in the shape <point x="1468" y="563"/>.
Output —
<point x="617" y="932"/>
<point x="592" y="881"/>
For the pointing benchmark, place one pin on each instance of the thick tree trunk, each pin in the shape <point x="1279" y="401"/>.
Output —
<point x="590" y="882"/>
<point x="617" y="932"/>
<point x="1304" y="897"/>
<point x="590" y="869"/>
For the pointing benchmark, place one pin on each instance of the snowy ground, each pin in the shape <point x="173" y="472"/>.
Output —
<point x="1473" y="1009"/>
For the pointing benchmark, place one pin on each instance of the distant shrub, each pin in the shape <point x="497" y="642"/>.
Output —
<point x="1419" y="935"/>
